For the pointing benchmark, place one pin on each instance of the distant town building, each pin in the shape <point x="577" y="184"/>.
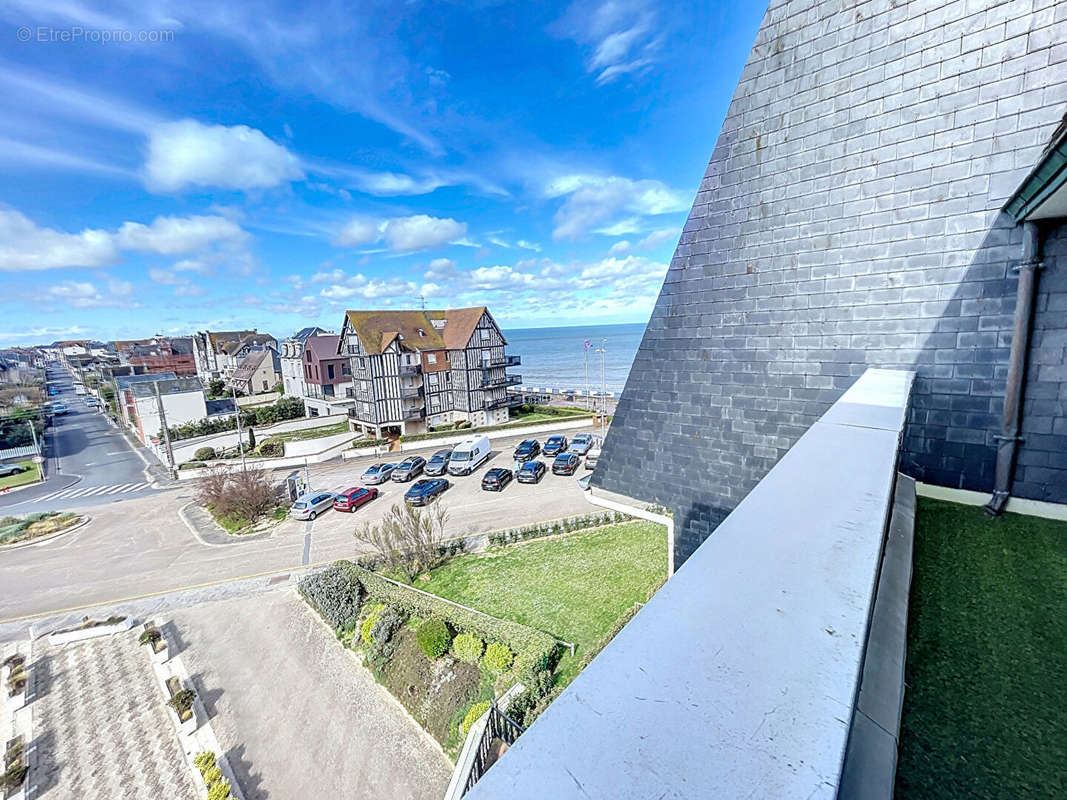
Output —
<point x="159" y="354"/>
<point x="258" y="372"/>
<point x="292" y="361"/>
<point x="416" y="369"/>
<point x="218" y="353"/>
<point x="327" y="377"/>
<point x="183" y="401"/>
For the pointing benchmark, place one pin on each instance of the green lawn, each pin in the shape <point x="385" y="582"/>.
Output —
<point x="29" y="474"/>
<point x="310" y="433"/>
<point x="574" y="586"/>
<point x="985" y="708"/>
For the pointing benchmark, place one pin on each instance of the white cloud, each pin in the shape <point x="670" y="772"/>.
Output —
<point x="24" y="246"/>
<point x="369" y="288"/>
<point x="188" y="153"/>
<point x="594" y="200"/>
<point x="624" y="36"/>
<point x="441" y="269"/>
<point x="656" y="238"/>
<point x="172" y="235"/>
<point x="83" y="294"/>
<point x="157" y="275"/>
<point x="356" y="232"/>
<point x="500" y="277"/>
<point x="418" y="232"/>
<point x="525" y="245"/>
<point x="621" y="246"/>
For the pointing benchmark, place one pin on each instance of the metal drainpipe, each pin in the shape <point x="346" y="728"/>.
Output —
<point x="1011" y="421"/>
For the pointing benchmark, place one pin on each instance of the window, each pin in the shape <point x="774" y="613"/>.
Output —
<point x="366" y="409"/>
<point x="349" y="392"/>
<point x="448" y="378"/>
<point x="432" y="378"/>
<point x="329" y="371"/>
<point x="265" y="387"/>
<point x="431" y="358"/>
<point x="346" y="369"/>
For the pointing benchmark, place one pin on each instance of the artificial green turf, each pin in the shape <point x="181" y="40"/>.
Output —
<point x="29" y="474"/>
<point x="574" y="586"/>
<point x="985" y="706"/>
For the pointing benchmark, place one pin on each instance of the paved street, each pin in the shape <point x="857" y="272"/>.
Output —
<point x="89" y="461"/>
<point x="296" y="714"/>
<point x="141" y="546"/>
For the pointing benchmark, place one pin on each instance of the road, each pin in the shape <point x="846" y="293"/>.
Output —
<point x="142" y="547"/>
<point x="89" y="461"/>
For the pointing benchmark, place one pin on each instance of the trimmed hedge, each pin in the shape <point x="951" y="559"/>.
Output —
<point x="333" y="593"/>
<point x="468" y="648"/>
<point x="434" y="638"/>
<point x="368" y="443"/>
<point x="535" y="649"/>
<point x="204" y="454"/>
<point x="556" y="527"/>
<point x="473" y="713"/>
<point x="418" y="437"/>
<point x="497" y="658"/>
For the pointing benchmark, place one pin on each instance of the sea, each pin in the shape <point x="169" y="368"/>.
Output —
<point x="556" y="357"/>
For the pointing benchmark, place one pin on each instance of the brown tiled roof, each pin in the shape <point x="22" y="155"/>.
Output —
<point x="377" y="329"/>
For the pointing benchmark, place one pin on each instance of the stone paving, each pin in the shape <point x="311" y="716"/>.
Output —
<point x="101" y="724"/>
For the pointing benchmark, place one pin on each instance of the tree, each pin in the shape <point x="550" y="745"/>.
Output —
<point x="408" y="539"/>
<point x="244" y="494"/>
<point x="216" y="387"/>
<point x="251" y="439"/>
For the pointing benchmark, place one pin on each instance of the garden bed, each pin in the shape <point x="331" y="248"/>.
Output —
<point x="575" y="587"/>
<point x="14" y="530"/>
<point x="986" y="675"/>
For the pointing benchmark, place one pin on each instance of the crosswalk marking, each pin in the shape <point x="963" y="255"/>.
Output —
<point x="90" y="491"/>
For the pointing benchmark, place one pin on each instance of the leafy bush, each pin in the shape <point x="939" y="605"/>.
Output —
<point x="467" y="647"/>
<point x="216" y="387"/>
<point x="389" y="620"/>
<point x="150" y="636"/>
<point x="219" y="790"/>
<point x="204" y="454"/>
<point x="434" y="637"/>
<point x="192" y="465"/>
<point x="13" y="777"/>
<point x="473" y="714"/>
<point x="594" y="520"/>
<point x="497" y="658"/>
<point x="366" y="630"/>
<point x="204" y="761"/>
<point x="182" y="702"/>
<point x="535" y="649"/>
<point x="368" y="443"/>
<point x="243" y="495"/>
<point x="333" y="593"/>
<point x="272" y="448"/>
<point x="463" y="424"/>
<point x="212" y="775"/>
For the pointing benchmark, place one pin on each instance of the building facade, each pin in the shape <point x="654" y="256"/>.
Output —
<point x="327" y="377"/>
<point x="258" y="372"/>
<point x="413" y="370"/>
<point x="218" y="353"/>
<point x="854" y="213"/>
<point x="291" y="352"/>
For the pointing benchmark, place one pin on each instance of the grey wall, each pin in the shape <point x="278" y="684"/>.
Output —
<point x="849" y="217"/>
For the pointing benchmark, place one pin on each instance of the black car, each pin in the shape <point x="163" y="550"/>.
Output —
<point x="527" y="450"/>
<point x="496" y="479"/>
<point x="555" y="445"/>
<point x="565" y="464"/>
<point x="408" y="468"/>
<point x="422" y="492"/>
<point x="438" y="463"/>
<point x="531" y="472"/>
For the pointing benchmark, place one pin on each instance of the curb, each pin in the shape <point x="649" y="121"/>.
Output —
<point x="85" y="520"/>
<point x="232" y="538"/>
<point x="77" y="479"/>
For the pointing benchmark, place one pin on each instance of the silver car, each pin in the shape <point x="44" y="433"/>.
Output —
<point x="409" y="468"/>
<point x="581" y="444"/>
<point x="378" y="473"/>
<point x="309" y="506"/>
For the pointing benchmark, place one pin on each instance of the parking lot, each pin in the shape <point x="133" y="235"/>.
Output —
<point x="470" y="508"/>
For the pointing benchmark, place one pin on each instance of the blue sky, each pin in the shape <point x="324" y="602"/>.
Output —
<point x="266" y="165"/>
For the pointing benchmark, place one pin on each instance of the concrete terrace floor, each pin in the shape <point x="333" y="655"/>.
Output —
<point x="295" y="713"/>
<point x="101" y="726"/>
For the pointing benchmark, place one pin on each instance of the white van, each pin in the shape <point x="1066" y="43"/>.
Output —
<point x="468" y="455"/>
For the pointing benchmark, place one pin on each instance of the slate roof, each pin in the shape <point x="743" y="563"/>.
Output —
<point x="324" y="347"/>
<point x="126" y="381"/>
<point x="377" y="329"/>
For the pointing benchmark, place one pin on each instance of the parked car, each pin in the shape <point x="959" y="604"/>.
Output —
<point x="378" y="473"/>
<point x="468" y="456"/>
<point x="496" y="479"/>
<point x="422" y="492"/>
<point x="408" y="468"/>
<point x="309" y="506"/>
<point x="527" y="450"/>
<point x="555" y="445"/>
<point x="10" y="469"/>
<point x="565" y="464"/>
<point x="581" y="444"/>
<point x="438" y="463"/>
<point x="92" y="402"/>
<point x="351" y="499"/>
<point x="531" y="472"/>
<point x="53" y="392"/>
<point x="59" y="408"/>
<point x="591" y="458"/>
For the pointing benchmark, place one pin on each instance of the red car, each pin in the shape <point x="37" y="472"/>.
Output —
<point x="351" y="499"/>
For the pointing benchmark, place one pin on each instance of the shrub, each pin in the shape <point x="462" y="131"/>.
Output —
<point x="473" y="713"/>
<point x="245" y="495"/>
<point x="434" y="637"/>
<point x="204" y="761"/>
<point x="389" y="620"/>
<point x="408" y="540"/>
<point x="192" y="465"/>
<point x="204" y="454"/>
<point x="463" y="424"/>
<point x="182" y="702"/>
<point x="366" y="630"/>
<point x="212" y="775"/>
<point x="369" y="443"/>
<point x="497" y="658"/>
<point x="333" y="593"/>
<point x="220" y="790"/>
<point x="150" y="636"/>
<point x="13" y="777"/>
<point x="533" y="647"/>
<point x="272" y="448"/>
<point x="467" y="647"/>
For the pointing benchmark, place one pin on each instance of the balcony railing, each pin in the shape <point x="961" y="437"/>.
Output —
<point x="412" y="414"/>
<point x="409" y="370"/>
<point x="503" y="361"/>
<point x="502" y="402"/>
<point x="411" y="392"/>
<point x="493" y="382"/>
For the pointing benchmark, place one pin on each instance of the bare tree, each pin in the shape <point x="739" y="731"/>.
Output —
<point x="246" y="494"/>
<point x="408" y="539"/>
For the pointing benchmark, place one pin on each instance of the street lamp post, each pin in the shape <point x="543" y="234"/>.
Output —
<point x="603" y="350"/>
<point x="240" y="435"/>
